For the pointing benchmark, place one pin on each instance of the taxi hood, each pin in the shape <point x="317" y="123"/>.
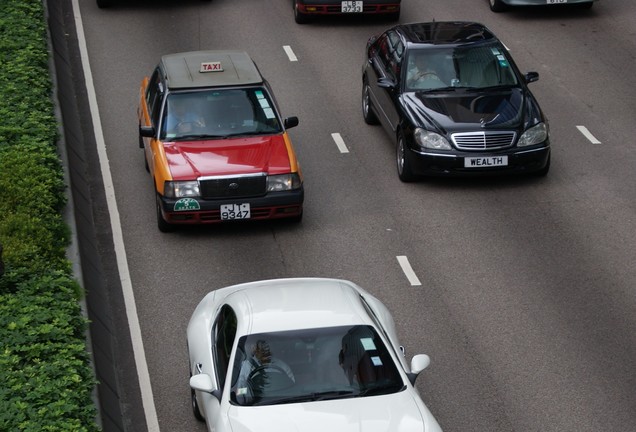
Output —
<point x="189" y="160"/>
<point x="509" y="108"/>
<point x="397" y="412"/>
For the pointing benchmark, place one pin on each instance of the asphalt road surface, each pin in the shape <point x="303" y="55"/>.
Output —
<point x="527" y="294"/>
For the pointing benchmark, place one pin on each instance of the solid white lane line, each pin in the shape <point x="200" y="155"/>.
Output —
<point x="118" y="240"/>
<point x="290" y="53"/>
<point x="340" y="143"/>
<point x="587" y="134"/>
<point x="408" y="270"/>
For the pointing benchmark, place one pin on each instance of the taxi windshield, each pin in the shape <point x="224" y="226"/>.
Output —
<point x="218" y="113"/>
<point x="312" y="364"/>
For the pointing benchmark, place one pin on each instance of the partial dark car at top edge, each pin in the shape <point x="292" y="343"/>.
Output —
<point x="108" y="3"/>
<point x="452" y="99"/>
<point x="307" y="10"/>
<point x="502" y="5"/>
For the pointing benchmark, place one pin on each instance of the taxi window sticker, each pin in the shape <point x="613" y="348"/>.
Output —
<point x="264" y="103"/>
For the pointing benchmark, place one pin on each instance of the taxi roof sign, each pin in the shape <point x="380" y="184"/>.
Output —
<point x="211" y="67"/>
<point x="185" y="70"/>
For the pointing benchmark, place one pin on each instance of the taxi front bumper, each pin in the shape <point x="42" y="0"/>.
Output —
<point x="274" y="205"/>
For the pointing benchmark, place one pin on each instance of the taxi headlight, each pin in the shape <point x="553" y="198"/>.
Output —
<point x="535" y="135"/>
<point x="181" y="189"/>
<point x="283" y="182"/>
<point x="430" y="140"/>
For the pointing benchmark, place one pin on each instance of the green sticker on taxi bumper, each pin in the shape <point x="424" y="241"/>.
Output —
<point x="187" y="204"/>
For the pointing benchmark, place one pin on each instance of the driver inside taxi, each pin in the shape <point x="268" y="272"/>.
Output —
<point x="182" y="118"/>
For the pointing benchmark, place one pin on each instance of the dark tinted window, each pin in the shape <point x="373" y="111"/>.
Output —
<point x="154" y="94"/>
<point x="224" y="333"/>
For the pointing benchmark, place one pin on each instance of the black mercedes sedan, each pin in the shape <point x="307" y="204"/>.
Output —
<point x="451" y="97"/>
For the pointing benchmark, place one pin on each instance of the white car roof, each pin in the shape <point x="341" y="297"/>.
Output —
<point x="287" y="304"/>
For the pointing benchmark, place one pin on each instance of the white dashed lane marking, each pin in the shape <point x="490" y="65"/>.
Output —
<point x="290" y="53"/>
<point x="408" y="270"/>
<point x="587" y="134"/>
<point x="340" y="143"/>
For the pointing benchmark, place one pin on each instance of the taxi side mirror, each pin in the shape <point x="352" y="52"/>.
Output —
<point x="291" y="122"/>
<point x="147" y="131"/>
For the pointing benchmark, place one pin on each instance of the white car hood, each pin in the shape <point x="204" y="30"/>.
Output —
<point x="397" y="412"/>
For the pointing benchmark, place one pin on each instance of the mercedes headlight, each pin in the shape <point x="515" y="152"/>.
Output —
<point x="430" y="140"/>
<point x="535" y="135"/>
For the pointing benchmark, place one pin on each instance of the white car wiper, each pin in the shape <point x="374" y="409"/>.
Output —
<point x="309" y="397"/>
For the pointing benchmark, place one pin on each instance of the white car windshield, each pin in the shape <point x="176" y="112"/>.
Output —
<point x="312" y="364"/>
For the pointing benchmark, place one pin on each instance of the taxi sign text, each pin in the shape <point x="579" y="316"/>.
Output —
<point x="211" y="67"/>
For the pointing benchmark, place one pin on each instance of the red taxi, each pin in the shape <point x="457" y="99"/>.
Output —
<point x="215" y="143"/>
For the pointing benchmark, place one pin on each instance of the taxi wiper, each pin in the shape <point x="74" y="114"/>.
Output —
<point x="197" y="137"/>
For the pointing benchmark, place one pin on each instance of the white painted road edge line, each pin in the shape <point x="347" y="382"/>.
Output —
<point x="290" y="53"/>
<point x="340" y="143"/>
<point x="118" y="240"/>
<point x="587" y="134"/>
<point x="408" y="270"/>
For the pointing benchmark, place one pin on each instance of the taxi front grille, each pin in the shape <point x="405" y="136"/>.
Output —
<point x="483" y="140"/>
<point x="233" y="187"/>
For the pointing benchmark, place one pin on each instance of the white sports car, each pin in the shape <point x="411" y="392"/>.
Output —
<point x="305" y="354"/>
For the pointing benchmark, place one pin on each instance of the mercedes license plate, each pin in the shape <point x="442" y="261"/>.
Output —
<point x="485" y="162"/>
<point x="351" y="6"/>
<point x="235" y="211"/>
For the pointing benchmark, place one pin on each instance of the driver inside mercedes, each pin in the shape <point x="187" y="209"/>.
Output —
<point x="255" y="369"/>
<point x="422" y="73"/>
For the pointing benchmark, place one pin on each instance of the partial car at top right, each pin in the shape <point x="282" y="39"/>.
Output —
<point x="451" y="98"/>
<point x="502" y="5"/>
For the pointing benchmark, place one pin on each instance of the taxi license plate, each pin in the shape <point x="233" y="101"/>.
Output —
<point x="484" y="162"/>
<point x="235" y="211"/>
<point x="351" y="6"/>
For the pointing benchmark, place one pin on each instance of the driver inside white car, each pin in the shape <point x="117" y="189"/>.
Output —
<point x="256" y="367"/>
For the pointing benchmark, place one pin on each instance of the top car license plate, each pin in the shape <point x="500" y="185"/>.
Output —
<point x="485" y="162"/>
<point x="351" y="6"/>
<point x="235" y="211"/>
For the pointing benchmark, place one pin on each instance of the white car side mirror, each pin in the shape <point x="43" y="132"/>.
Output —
<point x="202" y="382"/>
<point x="419" y="362"/>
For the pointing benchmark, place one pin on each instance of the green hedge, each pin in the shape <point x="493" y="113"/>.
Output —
<point x="46" y="380"/>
